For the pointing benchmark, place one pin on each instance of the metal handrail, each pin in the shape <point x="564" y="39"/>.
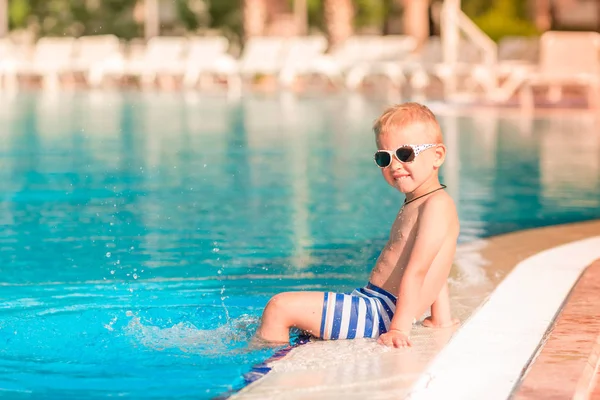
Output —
<point x="479" y="38"/>
<point x="454" y="22"/>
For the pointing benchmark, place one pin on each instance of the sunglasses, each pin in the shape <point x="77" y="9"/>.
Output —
<point x="405" y="154"/>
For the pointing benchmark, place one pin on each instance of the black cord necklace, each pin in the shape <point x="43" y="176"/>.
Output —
<point x="423" y="195"/>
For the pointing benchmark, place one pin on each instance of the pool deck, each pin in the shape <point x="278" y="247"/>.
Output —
<point x="596" y="388"/>
<point x="572" y="348"/>
<point x="537" y="335"/>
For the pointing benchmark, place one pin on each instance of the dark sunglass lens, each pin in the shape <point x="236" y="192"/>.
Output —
<point x="382" y="159"/>
<point x="405" y="154"/>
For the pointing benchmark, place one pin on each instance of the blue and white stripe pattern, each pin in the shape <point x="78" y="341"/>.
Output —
<point x="364" y="313"/>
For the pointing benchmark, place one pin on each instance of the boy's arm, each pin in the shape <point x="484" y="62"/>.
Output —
<point x="432" y="229"/>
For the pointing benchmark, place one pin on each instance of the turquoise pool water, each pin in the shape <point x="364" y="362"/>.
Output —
<point x="143" y="233"/>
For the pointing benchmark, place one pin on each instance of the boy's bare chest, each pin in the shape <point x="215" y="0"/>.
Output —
<point x="403" y="227"/>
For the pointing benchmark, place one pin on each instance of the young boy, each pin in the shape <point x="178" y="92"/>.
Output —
<point x="412" y="270"/>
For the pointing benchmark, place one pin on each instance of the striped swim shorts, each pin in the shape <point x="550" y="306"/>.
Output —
<point x="364" y="313"/>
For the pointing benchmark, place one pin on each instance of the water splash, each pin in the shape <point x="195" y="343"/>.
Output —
<point x="234" y="336"/>
<point x="223" y="297"/>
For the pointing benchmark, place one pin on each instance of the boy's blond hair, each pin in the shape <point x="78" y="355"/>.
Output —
<point x="402" y="115"/>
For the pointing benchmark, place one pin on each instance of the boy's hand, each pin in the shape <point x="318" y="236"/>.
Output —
<point x="394" y="338"/>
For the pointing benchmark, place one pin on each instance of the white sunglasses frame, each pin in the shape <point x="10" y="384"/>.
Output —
<point x="416" y="148"/>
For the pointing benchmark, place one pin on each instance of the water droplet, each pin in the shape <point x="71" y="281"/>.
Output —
<point x="220" y="271"/>
<point x="216" y="250"/>
<point x="112" y="272"/>
<point x="135" y="276"/>
<point x="108" y="254"/>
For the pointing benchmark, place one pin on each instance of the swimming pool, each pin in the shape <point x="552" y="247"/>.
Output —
<point x="143" y="233"/>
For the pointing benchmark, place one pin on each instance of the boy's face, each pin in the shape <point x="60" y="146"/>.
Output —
<point x="406" y="177"/>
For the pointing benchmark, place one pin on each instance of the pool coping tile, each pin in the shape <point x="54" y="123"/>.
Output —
<point x="571" y="349"/>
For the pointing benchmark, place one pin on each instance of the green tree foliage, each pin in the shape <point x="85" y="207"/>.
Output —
<point x="501" y="17"/>
<point x="497" y="18"/>
<point x="369" y="13"/>
<point x="75" y="17"/>
<point x="93" y="17"/>
<point x="226" y="15"/>
<point x="315" y="14"/>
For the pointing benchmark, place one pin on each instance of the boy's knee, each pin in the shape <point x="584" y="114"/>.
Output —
<point x="275" y="308"/>
<point x="276" y="302"/>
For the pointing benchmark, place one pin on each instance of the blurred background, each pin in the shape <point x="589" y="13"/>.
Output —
<point x="166" y="166"/>
<point x="469" y="50"/>
<point x="126" y="18"/>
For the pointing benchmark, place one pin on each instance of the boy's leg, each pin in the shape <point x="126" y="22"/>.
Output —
<point x="291" y="309"/>
<point x="441" y="316"/>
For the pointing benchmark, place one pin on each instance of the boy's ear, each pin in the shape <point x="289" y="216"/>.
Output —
<point x="440" y="155"/>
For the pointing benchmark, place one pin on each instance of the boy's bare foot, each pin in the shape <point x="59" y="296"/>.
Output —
<point x="429" y="322"/>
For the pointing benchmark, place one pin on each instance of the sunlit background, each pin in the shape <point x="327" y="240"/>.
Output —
<point x="167" y="166"/>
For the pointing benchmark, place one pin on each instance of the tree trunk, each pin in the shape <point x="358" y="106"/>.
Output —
<point x="543" y="18"/>
<point x="3" y="18"/>
<point x="301" y="16"/>
<point x="416" y="20"/>
<point x="339" y="16"/>
<point x="151" y="19"/>
<point x="254" y="18"/>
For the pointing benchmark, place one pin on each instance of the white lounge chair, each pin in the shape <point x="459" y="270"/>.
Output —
<point x="301" y="52"/>
<point x="566" y="59"/>
<point x="518" y="49"/>
<point x="261" y="56"/>
<point x="391" y="53"/>
<point x="517" y="56"/>
<point x="163" y="56"/>
<point x="201" y="56"/>
<point x="352" y="51"/>
<point x="93" y="54"/>
<point x="429" y="64"/>
<point x="52" y="58"/>
<point x="516" y="52"/>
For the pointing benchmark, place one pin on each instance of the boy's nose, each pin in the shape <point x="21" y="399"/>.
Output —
<point x="396" y="165"/>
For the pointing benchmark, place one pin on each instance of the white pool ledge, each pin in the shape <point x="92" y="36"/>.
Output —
<point x="487" y="356"/>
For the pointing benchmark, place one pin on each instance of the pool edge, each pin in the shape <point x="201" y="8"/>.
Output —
<point x="505" y="252"/>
